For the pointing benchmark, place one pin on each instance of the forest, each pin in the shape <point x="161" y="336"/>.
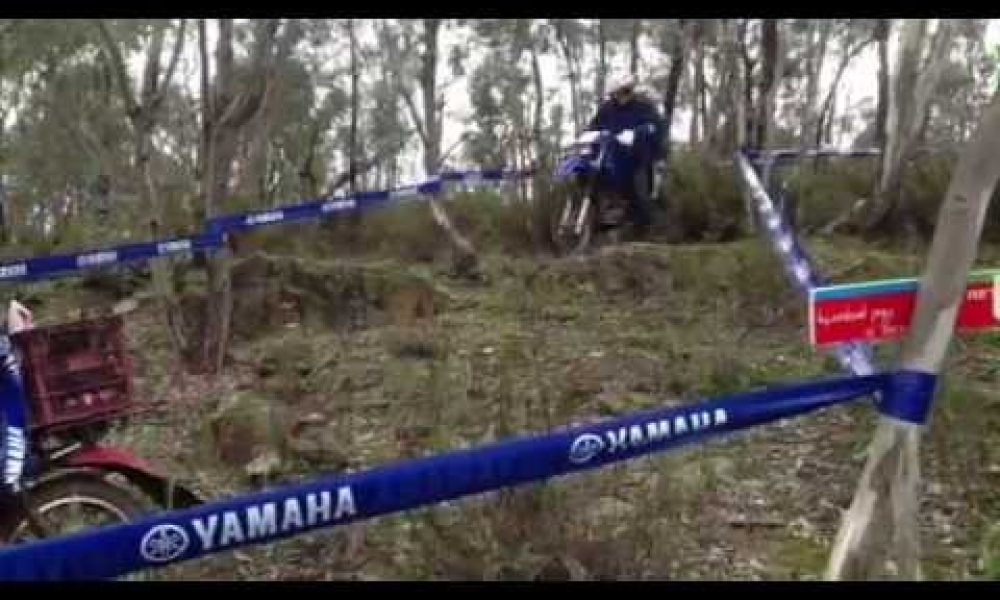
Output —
<point x="452" y="321"/>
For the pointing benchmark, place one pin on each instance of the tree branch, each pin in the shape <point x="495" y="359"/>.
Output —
<point x="244" y="105"/>
<point x="151" y="72"/>
<point x="407" y="96"/>
<point x="168" y="76"/>
<point x="841" y="68"/>
<point x="395" y="57"/>
<point x="207" y="108"/>
<point x="118" y="66"/>
<point x="365" y="166"/>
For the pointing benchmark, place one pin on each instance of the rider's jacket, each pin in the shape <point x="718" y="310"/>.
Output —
<point x="638" y="112"/>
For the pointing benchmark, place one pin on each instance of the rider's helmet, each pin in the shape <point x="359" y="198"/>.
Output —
<point x="622" y="86"/>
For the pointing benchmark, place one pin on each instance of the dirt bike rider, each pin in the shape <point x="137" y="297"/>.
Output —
<point x="625" y="108"/>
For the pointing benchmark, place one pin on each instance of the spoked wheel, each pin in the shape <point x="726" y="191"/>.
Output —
<point x="574" y="222"/>
<point x="70" y="505"/>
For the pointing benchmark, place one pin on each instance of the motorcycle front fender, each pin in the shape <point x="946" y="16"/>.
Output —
<point x="573" y="167"/>
<point x="161" y="489"/>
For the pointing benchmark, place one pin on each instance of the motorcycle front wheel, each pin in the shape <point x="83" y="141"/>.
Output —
<point x="71" y="504"/>
<point x="574" y="221"/>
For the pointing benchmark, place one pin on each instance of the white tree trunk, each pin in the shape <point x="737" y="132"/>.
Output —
<point x="817" y="56"/>
<point x="909" y="100"/>
<point x="880" y="532"/>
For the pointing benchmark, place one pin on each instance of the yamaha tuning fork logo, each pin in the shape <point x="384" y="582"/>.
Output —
<point x="585" y="448"/>
<point x="164" y="543"/>
<point x="627" y="438"/>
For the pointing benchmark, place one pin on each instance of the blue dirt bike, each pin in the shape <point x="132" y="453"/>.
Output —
<point x="593" y="180"/>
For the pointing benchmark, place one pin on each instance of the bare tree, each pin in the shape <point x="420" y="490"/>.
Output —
<point x="678" y="55"/>
<point x="427" y="121"/>
<point x="229" y="102"/>
<point x="635" y="36"/>
<point x="817" y="40"/>
<point x="142" y="115"/>
<point x="602" y="59"/>
<point x="770" y="78"/>
<point x="697" y="85"/>
<point x="568" y="37"/>
<point x="713" y="94"/>
<point x="536" y="39"/>
<point x="255" y="163"/>
<point x="734" y="92"/>
<point x="881" y="526"/>
<point x="353" y="132"/>
<point x="909" y="101"/>
<point x="850" y="51"/>
<point x="882" y="30"/>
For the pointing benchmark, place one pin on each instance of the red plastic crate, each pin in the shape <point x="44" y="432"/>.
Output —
<point x="76" y="373"/>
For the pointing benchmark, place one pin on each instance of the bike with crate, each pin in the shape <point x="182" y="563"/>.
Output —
<point x="61" y="389"/>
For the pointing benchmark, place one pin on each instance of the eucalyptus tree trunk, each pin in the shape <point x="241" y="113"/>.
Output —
<point x="678" y="55"/>
<point x="909" y="100"/>
<point x="602" y="61"/>
<point x="825" y="117"/>
<point x="429" y="129"/>
<point x="816" y="56"/>
<point x="227" y="106"/>
<point x="635" y="36"/>
<point x="572" y="74"/>
<point x="142" y="114"/>
<point x="880" y="531"/>
<point x="770" y="79"/>
<point x="352" y="153"/>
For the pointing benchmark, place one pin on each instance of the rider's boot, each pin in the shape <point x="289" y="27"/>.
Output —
<point x="639" y="208"/>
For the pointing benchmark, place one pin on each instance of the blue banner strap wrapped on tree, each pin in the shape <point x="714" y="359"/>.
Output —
<point x="276" y="514"/>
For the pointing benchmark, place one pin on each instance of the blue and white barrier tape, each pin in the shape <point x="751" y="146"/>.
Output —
<point x="47" y="266"/>
<point x="855" y="358"/>
<point x="272" y="515"/>
<point x="773" y="156"/>
<point x="69" y="264"/>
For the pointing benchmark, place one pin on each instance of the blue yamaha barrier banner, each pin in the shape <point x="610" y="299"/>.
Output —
<point x="280" y="513"/>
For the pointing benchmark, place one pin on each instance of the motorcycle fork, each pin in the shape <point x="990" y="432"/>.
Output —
<point x="581" y="218"/>
<point x="563" y="220"/>
<point x="589" y="197"/>
<point x="35" y="521"/>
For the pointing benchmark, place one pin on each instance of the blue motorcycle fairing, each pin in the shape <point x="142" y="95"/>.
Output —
<point x="614" y="172"/>
<point x="573" y="165"/>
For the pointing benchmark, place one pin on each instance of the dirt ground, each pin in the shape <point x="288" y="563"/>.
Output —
<point x="351" y="375"/>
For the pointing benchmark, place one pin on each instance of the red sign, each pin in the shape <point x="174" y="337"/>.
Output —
<point x="882" y="311"/>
